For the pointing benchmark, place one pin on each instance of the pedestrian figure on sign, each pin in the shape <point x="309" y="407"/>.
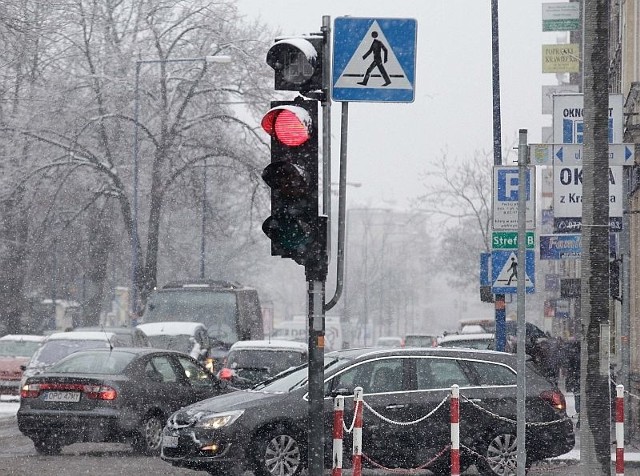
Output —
<point x="513" y="269"/>
<point x="376" y="48"/>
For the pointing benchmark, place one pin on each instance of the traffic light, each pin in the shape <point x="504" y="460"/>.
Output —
<point x="294" y="227"/>
<point x="297" y="63"/>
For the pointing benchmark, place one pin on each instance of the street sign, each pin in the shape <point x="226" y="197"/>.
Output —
<point x="555" y="247"/>
<point x="561" y="16"/>
<point x="505" y="198"/>
<point x="508" y="240"/>
<point x="561" y="58"/>
<point x="505" y="271"/>
<point x="374" y="59"/>
<point x="573" y="154"/>
<point x="567" y="198"/>
<point x="568" y="118"/>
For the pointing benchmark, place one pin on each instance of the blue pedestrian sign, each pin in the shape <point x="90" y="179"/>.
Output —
<point x="505" y="271"/>
<point x="374" y="59"/>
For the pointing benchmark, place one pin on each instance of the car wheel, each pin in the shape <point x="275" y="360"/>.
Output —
<point x="149" y="437"/>
<point x="47" y="446"/>
<point x="278" y="454"/>
<point x="499" y="455"/>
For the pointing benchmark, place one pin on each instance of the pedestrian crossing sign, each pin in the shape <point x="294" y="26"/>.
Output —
<point x="505" y="271"/>
<point x="374" y="59"/>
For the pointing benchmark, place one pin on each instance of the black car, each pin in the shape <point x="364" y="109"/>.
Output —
<point x="406" y="415"/>
<point x="117" y="395"/>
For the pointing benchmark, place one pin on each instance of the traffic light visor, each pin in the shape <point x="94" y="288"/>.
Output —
<point x="290" y="125"/>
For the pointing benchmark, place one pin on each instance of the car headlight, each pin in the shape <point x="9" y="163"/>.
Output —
<point x="213" y="421"/>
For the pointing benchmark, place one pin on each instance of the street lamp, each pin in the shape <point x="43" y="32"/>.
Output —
<point x="133" y="306"/>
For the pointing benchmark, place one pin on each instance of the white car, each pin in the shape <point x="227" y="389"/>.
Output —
<point x="60" y="344"/>
<point x="188" y="337"/>
<point x="481" y="341"/>
<point x="391" y="341"/>
<point x="252" y="361"/>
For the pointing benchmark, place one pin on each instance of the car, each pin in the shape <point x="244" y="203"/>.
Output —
<point x="111" y="395"/>
<point x="406" y="418"/>
<point x="130" y="336"/>
<point x="188" y="337"/>
<point x="480" y="341"/>
<point x="390" y="341"/>
<point x="252" y="361"/>
<point x="15" y="352"/>
<point x="60" y="344"/>
<point x="420" y="340"/>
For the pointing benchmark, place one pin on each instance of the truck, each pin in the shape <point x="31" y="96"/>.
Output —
<point x="296" y="329"/>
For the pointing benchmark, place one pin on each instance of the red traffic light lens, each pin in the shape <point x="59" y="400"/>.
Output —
<point x="288" y="124"/>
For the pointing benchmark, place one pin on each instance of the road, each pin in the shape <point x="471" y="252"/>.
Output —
<point x="19" y="458"/>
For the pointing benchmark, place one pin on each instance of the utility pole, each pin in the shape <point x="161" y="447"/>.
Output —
<point x="595" y="416"/>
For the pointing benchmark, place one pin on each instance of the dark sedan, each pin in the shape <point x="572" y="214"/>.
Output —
<point x="117" y="395"/>
<point x="406" y="416"/>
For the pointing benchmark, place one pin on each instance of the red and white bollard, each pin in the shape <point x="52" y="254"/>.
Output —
<point x="619" y="430"/>
<point x="338" y="432"/>
<point x="357" y="432"/>
<point x="454" y="405"/>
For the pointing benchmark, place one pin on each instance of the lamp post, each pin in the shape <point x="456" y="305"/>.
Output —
<point x="135" y="244"/>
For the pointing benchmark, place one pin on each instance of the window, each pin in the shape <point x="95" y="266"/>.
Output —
<point x="196" y="375"/>
<point x="376" y="376"/>
<point x="159" y="369"/>
<point x="494" y="374"/>
<point x="439" y="373"/>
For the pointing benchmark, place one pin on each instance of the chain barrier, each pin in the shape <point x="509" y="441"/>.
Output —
<point x="408" y="470"/>
<point x="405" y="423"/>
<point x="514" y="422"/>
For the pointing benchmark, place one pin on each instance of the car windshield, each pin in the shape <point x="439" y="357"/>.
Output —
<point x="180" y="342"/>
<point x="94" y="363"/>
<point x="54" y="350"/>
<point x="272" y="361"/>
<point x="296" y="378"/>
<point x="18" y="348"/>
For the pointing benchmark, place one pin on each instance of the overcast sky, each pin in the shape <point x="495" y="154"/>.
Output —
<point x="391" y="144"/>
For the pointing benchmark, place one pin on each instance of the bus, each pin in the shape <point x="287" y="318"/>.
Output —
<point x="229" y="310"/>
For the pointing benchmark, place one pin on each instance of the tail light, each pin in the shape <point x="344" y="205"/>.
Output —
<point x="225" y="374"/>
<point x="555" y="398"/>
<point x="92" y="392"/>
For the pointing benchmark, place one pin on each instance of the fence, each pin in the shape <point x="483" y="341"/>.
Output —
<point x="454" y="446"/>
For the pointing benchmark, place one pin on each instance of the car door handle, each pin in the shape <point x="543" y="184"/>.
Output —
<point x="395" y="406"/>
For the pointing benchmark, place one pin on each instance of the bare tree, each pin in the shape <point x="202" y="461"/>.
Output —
<point x="459" y="194"/>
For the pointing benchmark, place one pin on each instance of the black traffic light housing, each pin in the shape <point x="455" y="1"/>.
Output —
<point x="294" y="227"/>
<point x="297" y="63"/>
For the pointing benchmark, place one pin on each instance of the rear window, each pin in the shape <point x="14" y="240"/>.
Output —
<point x="18" y="348"/>
<point x="94" y="363"/>
<point x="54" y="350"/>
<point x="181" y="343"/>
<point x="273" y="361"/>
<point x="494" y="374"/>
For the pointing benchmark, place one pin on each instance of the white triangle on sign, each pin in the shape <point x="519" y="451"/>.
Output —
<point x="508" y="277"/>
<point x="356" y="68"/>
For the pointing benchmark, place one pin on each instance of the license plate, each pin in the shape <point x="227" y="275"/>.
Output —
<point x="170" y="441"/>
<point x="62" y="397"/>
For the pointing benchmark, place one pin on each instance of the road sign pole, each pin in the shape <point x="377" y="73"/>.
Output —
<point x="521" y="283"/>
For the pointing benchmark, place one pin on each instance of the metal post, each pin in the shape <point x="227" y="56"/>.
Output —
<point x="521" y="283"/>
<point x="500" y="311"/>
<point x="625" y="269"/>
<point x="315" y="433"/>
